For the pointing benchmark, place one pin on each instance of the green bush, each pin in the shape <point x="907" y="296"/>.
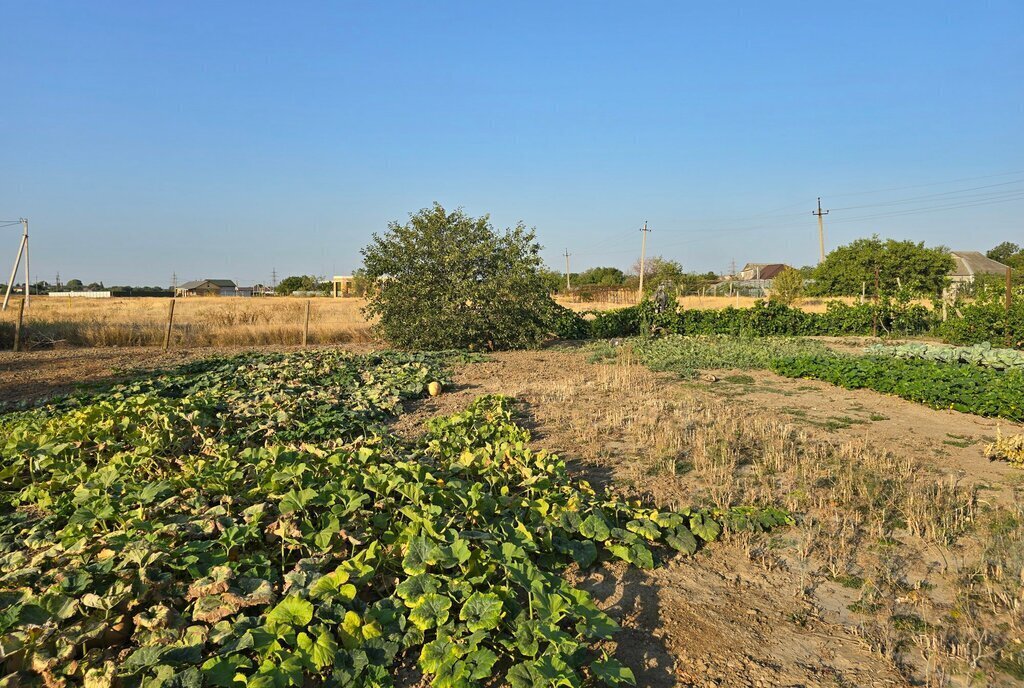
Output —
<point x="987" y="321"/>
<point x="446" y="280"/>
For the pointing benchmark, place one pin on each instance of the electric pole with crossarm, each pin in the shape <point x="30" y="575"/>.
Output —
<point x="643" y="255"/>
<point x="821" y="229"/>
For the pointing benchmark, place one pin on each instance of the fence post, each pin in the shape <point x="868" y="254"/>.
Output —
<point x="305" y="326"/>
<point x="1009" y="301"/>
<point x="17" y="326"/>
<point x="874" y="316"/>
<point x="170" y="322"/>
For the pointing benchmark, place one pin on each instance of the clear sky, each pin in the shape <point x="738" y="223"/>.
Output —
<point x="225" y="139"/>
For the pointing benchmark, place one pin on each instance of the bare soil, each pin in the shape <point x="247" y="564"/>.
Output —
<point x="747" y="611"/>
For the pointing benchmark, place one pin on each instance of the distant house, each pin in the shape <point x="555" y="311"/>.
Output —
<point x="342" y="286"/>
<point x="971" y="263"/>
<point x="212" y="287"/>
<point x="761" y="271"/>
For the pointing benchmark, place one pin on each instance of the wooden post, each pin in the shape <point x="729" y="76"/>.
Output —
<point x="1009" y="302"/>
<point x="170" y="322"/>
<point x="305" y="326"/>
<point x="874" y="315"/>
<point x="17" y="326"/>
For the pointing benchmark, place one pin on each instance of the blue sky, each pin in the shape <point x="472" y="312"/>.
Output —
<point x="227" y="139"/>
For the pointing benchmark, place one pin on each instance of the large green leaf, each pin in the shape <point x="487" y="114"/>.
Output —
<point x="291" y="611"/>
<point x="431" y="611"/>
<point x="481" y="612"/>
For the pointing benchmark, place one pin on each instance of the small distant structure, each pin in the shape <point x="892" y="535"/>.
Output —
<point x="972" y="263"/>
<point x="754" y="279"/>
<point x="212" y="287"/>
<point x="343" y="286"/>
<point x="760" y="271"/>
<point x="82" y="294"/>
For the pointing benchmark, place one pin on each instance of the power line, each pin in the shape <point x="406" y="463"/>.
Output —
<point x="922" y="186"/>
<point x="927" y="196"/>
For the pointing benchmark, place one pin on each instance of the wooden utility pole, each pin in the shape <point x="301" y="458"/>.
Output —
<point x="643" y="256"/>
<point x="22" y="249"/>
<point x="17" y="326"/>
<point x="568" y="287"/>
<point x="821" y="229"/>
<point x="170" y="323"/>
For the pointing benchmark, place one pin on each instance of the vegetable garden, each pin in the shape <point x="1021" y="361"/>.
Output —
<point x="253" y="521"/>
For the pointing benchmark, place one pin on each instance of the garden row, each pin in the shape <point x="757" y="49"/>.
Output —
<point x="970" y="324"/>
<point x="964" y="388"/>
<point x="960" y="383"/>
<point x="253" y="521"/>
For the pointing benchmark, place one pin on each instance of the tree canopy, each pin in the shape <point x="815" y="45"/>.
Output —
<point x="912" y="266"/>
<point x="447" y="280"/>
<point x="600" y="276"/>
<point x="1008" y="253"/>
<point x="295" y="283"/>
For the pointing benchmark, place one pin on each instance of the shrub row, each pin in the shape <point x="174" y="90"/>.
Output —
<point x="767" y="319"/>
<point x="968" y="389"/>
<point x="971" y="324"/>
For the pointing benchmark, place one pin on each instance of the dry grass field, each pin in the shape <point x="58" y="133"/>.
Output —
<point x="198" y="322"/>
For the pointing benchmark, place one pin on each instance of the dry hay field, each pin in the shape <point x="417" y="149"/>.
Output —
<point x="905" y="566"/>
<point x="198" y="322"/>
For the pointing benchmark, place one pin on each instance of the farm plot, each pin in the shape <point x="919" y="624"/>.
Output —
<point x="253" y="521"/>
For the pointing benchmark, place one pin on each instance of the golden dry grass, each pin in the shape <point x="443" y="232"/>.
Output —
<point x="197" y="321"/>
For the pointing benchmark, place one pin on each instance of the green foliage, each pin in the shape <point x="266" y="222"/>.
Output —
<point x="1007" y="253"/>
<point x="968" y="389"/>
<point x="659" y="270"/>
<point x="253" y="522"/>
<point x="787" y="287"/>
<point x="553" y="281"/>
<point x="568" y="324"/>
<point x="846" y="270"/>
<point x="986" y="320"/>
<point x="447" y="280"/>
<point x="602" y="277"/>
<point x="301" y="283"/>
<point x="768" y="319"/>
<point x="980" y="354"/>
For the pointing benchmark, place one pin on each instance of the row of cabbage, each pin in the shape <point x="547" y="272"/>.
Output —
<point x="983" y="354"/>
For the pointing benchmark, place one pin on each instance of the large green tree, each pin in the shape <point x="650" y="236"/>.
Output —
<point x="601" y="276"/>
<point x="295" y="283"/>
<point x="912" y="266"/>
<point x="447" y="280"/>
<point x="1008" y="253"/>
